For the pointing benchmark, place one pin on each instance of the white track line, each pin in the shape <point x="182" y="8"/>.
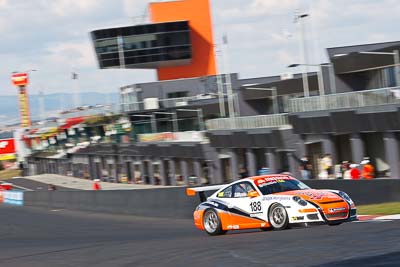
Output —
<point x="21" y="187"/>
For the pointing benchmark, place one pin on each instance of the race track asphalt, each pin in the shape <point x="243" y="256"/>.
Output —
<point x="38" y="237"/>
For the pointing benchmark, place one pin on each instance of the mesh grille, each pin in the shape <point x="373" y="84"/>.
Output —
<point x="336" y="215"/>
<point x="312" y="216"/>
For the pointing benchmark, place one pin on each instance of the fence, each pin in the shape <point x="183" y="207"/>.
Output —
<point x="166" y="103"/>
<point x="346" y="100"/>
<point x="248" y="122"/>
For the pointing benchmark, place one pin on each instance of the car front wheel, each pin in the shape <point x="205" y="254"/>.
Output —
<point x="278" y="217"/>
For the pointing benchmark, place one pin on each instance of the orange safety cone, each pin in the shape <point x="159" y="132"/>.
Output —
<point x="96" y="184"/>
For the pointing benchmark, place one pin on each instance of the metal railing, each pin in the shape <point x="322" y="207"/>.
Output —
<point x="101" y="110"/>
<point x="365" y="98"/>
<point x="249" y="122"/>
<point x="132" y="106"/>
<point x="167" y="102"/>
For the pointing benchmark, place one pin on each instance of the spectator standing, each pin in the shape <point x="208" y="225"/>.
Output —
<point x="263" y="171"/>
<point x="243" y="173"/>
<point x="192" y="179"/>
<point x="146" y="179"/>
<point x="327" y="165"/>
<point x="368" y="170"/>
<point x="104" y="175"/>
<point x="51" y="187"/>
<point x="355" y="173"/>
<point x="346" y="170"/>
<point x="305" y="168"/>
<point x="180" y="180"/>
<point x="21" y="167"/>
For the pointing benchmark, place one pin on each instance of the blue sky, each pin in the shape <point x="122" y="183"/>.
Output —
<point x="52" y="36"/>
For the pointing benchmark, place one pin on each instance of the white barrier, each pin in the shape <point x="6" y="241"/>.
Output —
<point x="13" y="197"/>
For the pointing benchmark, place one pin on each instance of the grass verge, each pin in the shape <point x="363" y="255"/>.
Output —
<point x="8" y="174"/>
<point x="379" y="209"/>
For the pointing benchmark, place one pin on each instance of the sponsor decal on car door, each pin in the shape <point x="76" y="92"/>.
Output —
<point x="246" y="212"/>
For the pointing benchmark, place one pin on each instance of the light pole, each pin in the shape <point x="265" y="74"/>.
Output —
<point x="220" y="86"/>
<point x="199" y="116"/>
<point x="274" y="96"/>
<point x="321" y="86"/>
<point x="228" y="82"/>
<point x="300" y="17"/>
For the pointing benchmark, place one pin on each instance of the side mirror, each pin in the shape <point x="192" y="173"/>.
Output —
<point x="252" y="194"/>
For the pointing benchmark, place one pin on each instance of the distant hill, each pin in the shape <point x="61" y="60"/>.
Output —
<point x="52" y="102"/>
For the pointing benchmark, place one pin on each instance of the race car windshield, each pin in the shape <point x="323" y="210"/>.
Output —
<point x="281" y="185"/>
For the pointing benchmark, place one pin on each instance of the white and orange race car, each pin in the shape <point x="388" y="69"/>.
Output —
<point x="263" y="202"/>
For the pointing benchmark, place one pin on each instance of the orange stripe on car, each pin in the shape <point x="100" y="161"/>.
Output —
<point x="307" y="210"/>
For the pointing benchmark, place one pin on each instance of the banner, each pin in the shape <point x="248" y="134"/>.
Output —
<point x="7" y="146"/>
<point x="156" y="137"/>
<point x="7" y="157"/>
<point x="190" y="136"/>
<point x="7" y="149"/>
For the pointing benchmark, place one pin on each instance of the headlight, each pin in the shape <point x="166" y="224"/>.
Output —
<point x="345" y="196"/>
<point x="300" y="201"/>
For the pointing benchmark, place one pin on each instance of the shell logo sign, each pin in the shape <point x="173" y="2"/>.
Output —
<point x="19" y="79"/>
<point x="7" y="149"/>
<point x="7" y="146"/>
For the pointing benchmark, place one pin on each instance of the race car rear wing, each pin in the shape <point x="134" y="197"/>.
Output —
<point x="201" y="190"/>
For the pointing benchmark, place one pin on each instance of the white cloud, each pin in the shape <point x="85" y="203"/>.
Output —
<point x="52" y="35"/>
<point x="136" y="9"/>
<point x="273" y="6"/>
<point x="3" y="4"/>
<point x="258" y="8"/>
<point x="71" y="54"/>
<point x="69" y="7"/>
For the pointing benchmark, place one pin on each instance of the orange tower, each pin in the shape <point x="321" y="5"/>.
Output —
<point x="21" y="81"/>
<point x="197" y="12"/>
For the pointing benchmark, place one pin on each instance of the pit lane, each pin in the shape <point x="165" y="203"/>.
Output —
<point x="40" y="237"/>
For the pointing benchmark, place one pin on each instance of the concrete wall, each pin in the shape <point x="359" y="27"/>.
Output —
<point x="363" y="191"/>
<point x="173" y="202"/>
<point x="165" y="203"/>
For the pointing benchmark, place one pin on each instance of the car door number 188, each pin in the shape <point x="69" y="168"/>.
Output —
<point x="255" y="206"/>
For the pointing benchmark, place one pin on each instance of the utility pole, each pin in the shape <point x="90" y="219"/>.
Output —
<point x="77" y="96"/>
<point x="220" y="86"/>
<point x="304" y="54"/>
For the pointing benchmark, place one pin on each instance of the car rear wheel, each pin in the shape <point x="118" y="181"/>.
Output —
<point x="278" y="217"/>
<point x="212" y="223"/>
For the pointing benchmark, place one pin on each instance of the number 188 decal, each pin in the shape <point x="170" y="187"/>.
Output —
<point x="255" y="206"/>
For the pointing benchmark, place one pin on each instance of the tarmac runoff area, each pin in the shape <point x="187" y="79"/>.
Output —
<point x="40" y="182"/>
<point x="37" y="237"/>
